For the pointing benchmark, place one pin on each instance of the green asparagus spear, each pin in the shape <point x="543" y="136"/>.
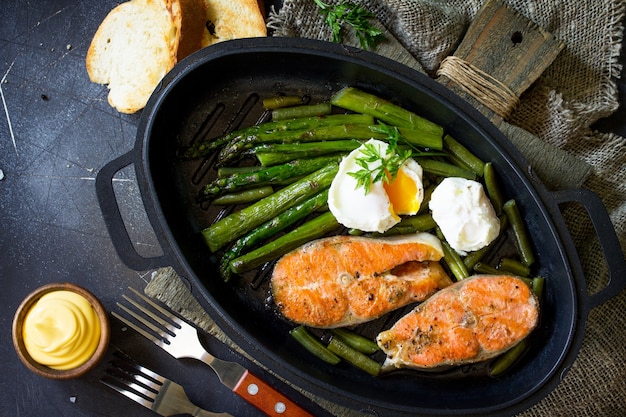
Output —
<point x="224" y="172"/>
<point x="233" y="149"/>
<point x="268" y="159"/>
<point x="204" y="148"/>
<point x="271" y="228"/>
<point x="310" y="230"/>
<point x="276" y="153"/>
<point x="243" y="197"/>
<point x="243" y="221"/>
<point x="278" y="102"/>
<point x="351" y="98"/>
<point x="308" y="148"/>
<point x="267" y="176"/>
<point x="295" y="112"/>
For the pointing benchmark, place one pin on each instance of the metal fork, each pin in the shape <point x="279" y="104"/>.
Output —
<point x="152" y="390"/>
<point x="180" y="339"/>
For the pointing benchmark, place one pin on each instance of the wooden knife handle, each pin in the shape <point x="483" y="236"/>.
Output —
<point x="266" y="398"/>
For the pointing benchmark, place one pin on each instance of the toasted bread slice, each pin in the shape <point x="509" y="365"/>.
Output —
<point x="138" y="43"/>
<point x="233" y="19"/>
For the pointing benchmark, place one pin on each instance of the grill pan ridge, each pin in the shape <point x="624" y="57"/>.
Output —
<point x="219" y="89"/>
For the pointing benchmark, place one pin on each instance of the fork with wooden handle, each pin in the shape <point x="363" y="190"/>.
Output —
<point x="180" y="340"/>
<point x="153" y="391"/>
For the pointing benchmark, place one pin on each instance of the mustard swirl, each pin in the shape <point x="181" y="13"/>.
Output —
<point x="61" y="330"/>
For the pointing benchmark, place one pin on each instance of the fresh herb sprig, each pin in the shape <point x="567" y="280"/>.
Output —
<point x="353" y="15"/>
<point x="390" y="162"/>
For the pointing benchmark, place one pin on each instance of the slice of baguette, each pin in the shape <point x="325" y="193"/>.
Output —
<point x="138" y="43"/>
<point x="233" y="19"/>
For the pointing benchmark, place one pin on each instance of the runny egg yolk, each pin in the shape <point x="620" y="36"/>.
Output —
<point x="402" y="192"/>
<point x="379" y="208"/>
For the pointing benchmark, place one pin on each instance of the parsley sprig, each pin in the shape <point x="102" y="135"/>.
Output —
<point x="353" y="15"/>
<point x="390" y="162"/>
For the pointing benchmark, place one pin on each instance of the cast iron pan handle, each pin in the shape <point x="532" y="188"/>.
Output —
<point x="607" y="238"/>
<point x="113" y="217"/>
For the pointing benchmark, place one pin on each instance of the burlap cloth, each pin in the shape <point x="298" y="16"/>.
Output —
<point x="558" y="110"/>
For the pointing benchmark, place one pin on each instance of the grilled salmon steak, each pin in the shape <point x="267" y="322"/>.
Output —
<point x="346" y="280"/>
<point x="470" y="321"/>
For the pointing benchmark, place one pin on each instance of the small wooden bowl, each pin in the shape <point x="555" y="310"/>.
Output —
<point x="45" y="371"/>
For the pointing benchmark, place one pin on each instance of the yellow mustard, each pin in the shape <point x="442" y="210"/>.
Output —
<point x="61" y="330"/>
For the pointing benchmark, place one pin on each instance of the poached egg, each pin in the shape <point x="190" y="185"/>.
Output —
<point x="380" y="207"/>
<point x="464" y="214"/>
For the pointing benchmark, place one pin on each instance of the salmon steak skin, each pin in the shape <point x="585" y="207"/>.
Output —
<point x="470" y="321"/>
<point x="346" y="280"/>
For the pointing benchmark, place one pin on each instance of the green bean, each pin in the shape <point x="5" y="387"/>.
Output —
<point x="313" y="345"/>
<point x="454" y="160"/>
<point x="505" y="361"/>
<point x="243" y="197"/>
<point x="356" y="341"/>
<point x="277" y="102"/>
<point x="310" y="230"/>
<point x="514" y="267"/>
<point x="241" y="222"/>
<point x="395" y="231"/>
<point x="353" y="356"/>
<point x="418" y="223"/>
<point x="519" y="232"/>
<point x="308" y="110"/>
<point x="493" y="187"/>
<point x="483" y="268"/>
<point x="538" y="284"/>
<point x="474" y="257"/>
<point x="468" y="159"/>
<point x="452" y="259"/>
<point x="428" y="191"/>
<point x="444" y="169"/>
